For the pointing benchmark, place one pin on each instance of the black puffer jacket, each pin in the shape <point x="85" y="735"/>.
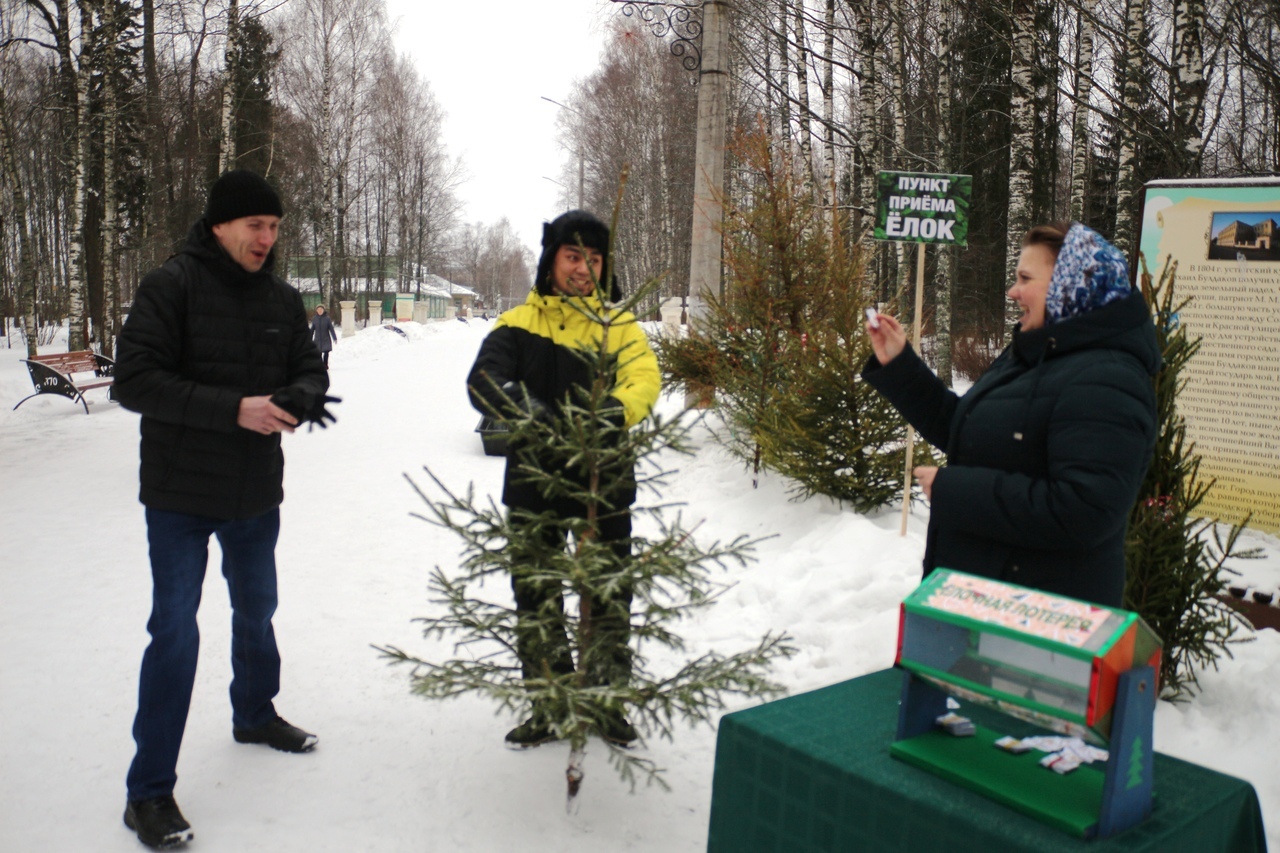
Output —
<point x="202" y="334"/>
<point x="537" y="345"/>
<point x="1045" y="453"/>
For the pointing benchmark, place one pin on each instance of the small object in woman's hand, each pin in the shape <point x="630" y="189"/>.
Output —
<point x="873" y="318"/>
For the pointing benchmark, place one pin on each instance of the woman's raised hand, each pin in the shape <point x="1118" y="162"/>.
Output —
<point x="888" y="338"/>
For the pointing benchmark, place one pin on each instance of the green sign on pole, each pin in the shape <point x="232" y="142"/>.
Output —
<point x="920" y="207"/>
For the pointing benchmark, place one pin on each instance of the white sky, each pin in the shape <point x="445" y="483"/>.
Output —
<point x="489" y="66"/>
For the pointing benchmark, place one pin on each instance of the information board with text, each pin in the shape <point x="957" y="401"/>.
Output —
<point x="1224" y="236"/>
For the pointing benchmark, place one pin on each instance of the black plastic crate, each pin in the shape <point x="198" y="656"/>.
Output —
<point x="493" y="435"/>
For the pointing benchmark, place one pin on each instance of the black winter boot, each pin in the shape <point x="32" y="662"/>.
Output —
<point x="618" y="731"/>
<point x="278" y="734"/>
<point x="158" y="822"/>
<point x="532" y="732"/>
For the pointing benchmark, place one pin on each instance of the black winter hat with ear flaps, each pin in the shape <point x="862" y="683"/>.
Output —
<point x="577" y="227"/>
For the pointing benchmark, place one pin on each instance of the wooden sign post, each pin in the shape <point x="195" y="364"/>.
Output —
<point x="920" y="208"/>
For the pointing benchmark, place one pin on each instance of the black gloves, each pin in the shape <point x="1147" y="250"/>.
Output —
<point x="318" y="414"/>
<point x="306" y="405"/>
<point x="526" y="405"/>
<point x="613" y="412"/>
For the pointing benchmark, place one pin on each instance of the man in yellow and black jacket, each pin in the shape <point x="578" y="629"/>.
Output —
<point x="532" y="361"/>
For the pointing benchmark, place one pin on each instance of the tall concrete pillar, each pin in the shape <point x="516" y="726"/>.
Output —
<point x="708" y="180"/>
<point x="348" y="318"/>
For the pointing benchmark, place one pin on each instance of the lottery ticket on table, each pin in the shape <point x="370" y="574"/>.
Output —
<point x="957" y="725"/>
<point x="1011" y="744"/>
<point x="1072" y="746"/>
<point x="1060" y="764"/>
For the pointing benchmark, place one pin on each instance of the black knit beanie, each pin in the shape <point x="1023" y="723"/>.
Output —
<point x="571" y="229"/>
<point x="241" y="193"/>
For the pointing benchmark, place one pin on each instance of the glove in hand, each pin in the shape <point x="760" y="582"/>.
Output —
<point x="306" y="406"/>
<point x="613" y="411"/>
<point x="294" y="400"/>
<point x="527" y="405"/>
<point x="318" y="414"/>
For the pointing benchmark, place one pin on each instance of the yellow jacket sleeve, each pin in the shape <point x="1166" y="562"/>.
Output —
<point x="638" y="379"/>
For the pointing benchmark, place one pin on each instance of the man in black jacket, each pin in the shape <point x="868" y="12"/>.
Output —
<point x="218" y="359"/>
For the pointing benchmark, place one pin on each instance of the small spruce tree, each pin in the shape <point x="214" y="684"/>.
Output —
<point x="1174" y="557"/>
<point x="670" y="575"/>
<point x="784" y="348"/>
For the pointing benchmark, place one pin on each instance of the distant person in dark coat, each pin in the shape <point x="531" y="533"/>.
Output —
<point x="217" y="358"/>
<point x="323" y="333"/>
<point x="1046" y="452"/>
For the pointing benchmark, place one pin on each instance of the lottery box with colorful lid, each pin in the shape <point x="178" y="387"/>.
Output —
<point x="1050" y="660"/>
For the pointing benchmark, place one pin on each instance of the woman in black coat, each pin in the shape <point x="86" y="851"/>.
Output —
<point x="323" y="333"/>
<point x="1046" y="452"/>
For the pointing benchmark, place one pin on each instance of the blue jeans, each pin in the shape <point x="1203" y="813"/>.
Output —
<point x="179" y="554"/>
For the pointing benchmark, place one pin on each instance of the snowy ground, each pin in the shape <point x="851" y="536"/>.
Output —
<point x="393" y="772"/>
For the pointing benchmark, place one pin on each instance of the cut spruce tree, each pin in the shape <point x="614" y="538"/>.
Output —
<point x="783" y="350"/>
<point x="1175" y="558"/>
<point x="670" y="574"/>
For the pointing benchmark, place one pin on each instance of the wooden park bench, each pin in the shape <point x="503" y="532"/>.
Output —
<point x="52" y="374"/>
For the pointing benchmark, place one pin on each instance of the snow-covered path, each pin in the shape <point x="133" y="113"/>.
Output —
<point x="393" y="772"/>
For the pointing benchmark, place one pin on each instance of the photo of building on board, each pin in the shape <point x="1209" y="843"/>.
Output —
<point x="1239" y="236"/>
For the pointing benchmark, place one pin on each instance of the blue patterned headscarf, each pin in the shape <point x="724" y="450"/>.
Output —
<point x="1089" y="273"/>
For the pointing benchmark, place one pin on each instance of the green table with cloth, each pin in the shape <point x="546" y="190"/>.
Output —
<point x="813" y="773"/>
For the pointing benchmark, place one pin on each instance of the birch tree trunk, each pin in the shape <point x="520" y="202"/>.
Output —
<point x="1048" y="137"/>
<point x="73" y="74"/>
<point x="338" y="271"/>
<point x="227" y="151"/>
<point x="78" y="314"/>
<point x="868" y="117"/>
<point x="157" y="187"/>
<point x="1131" y="103"/>
<point x="325" y="247"/>
<point x="110" y="204"/>
<point x="1189" y="85"/>
<point x="784" y="74"/>
<point x="898" y="83"/>
<point x="802" y="89"/>
<point x="1021" y="143"/>
<point x="899" y="106"/>
<point x="26" y="251"/>
<point x="1080" y="149"/>
<point x="946" y="254"/>
<point x="828" y="107"/>
<point x="771" y="109"/>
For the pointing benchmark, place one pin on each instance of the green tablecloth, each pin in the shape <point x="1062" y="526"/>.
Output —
<point x="813" y="773"/>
